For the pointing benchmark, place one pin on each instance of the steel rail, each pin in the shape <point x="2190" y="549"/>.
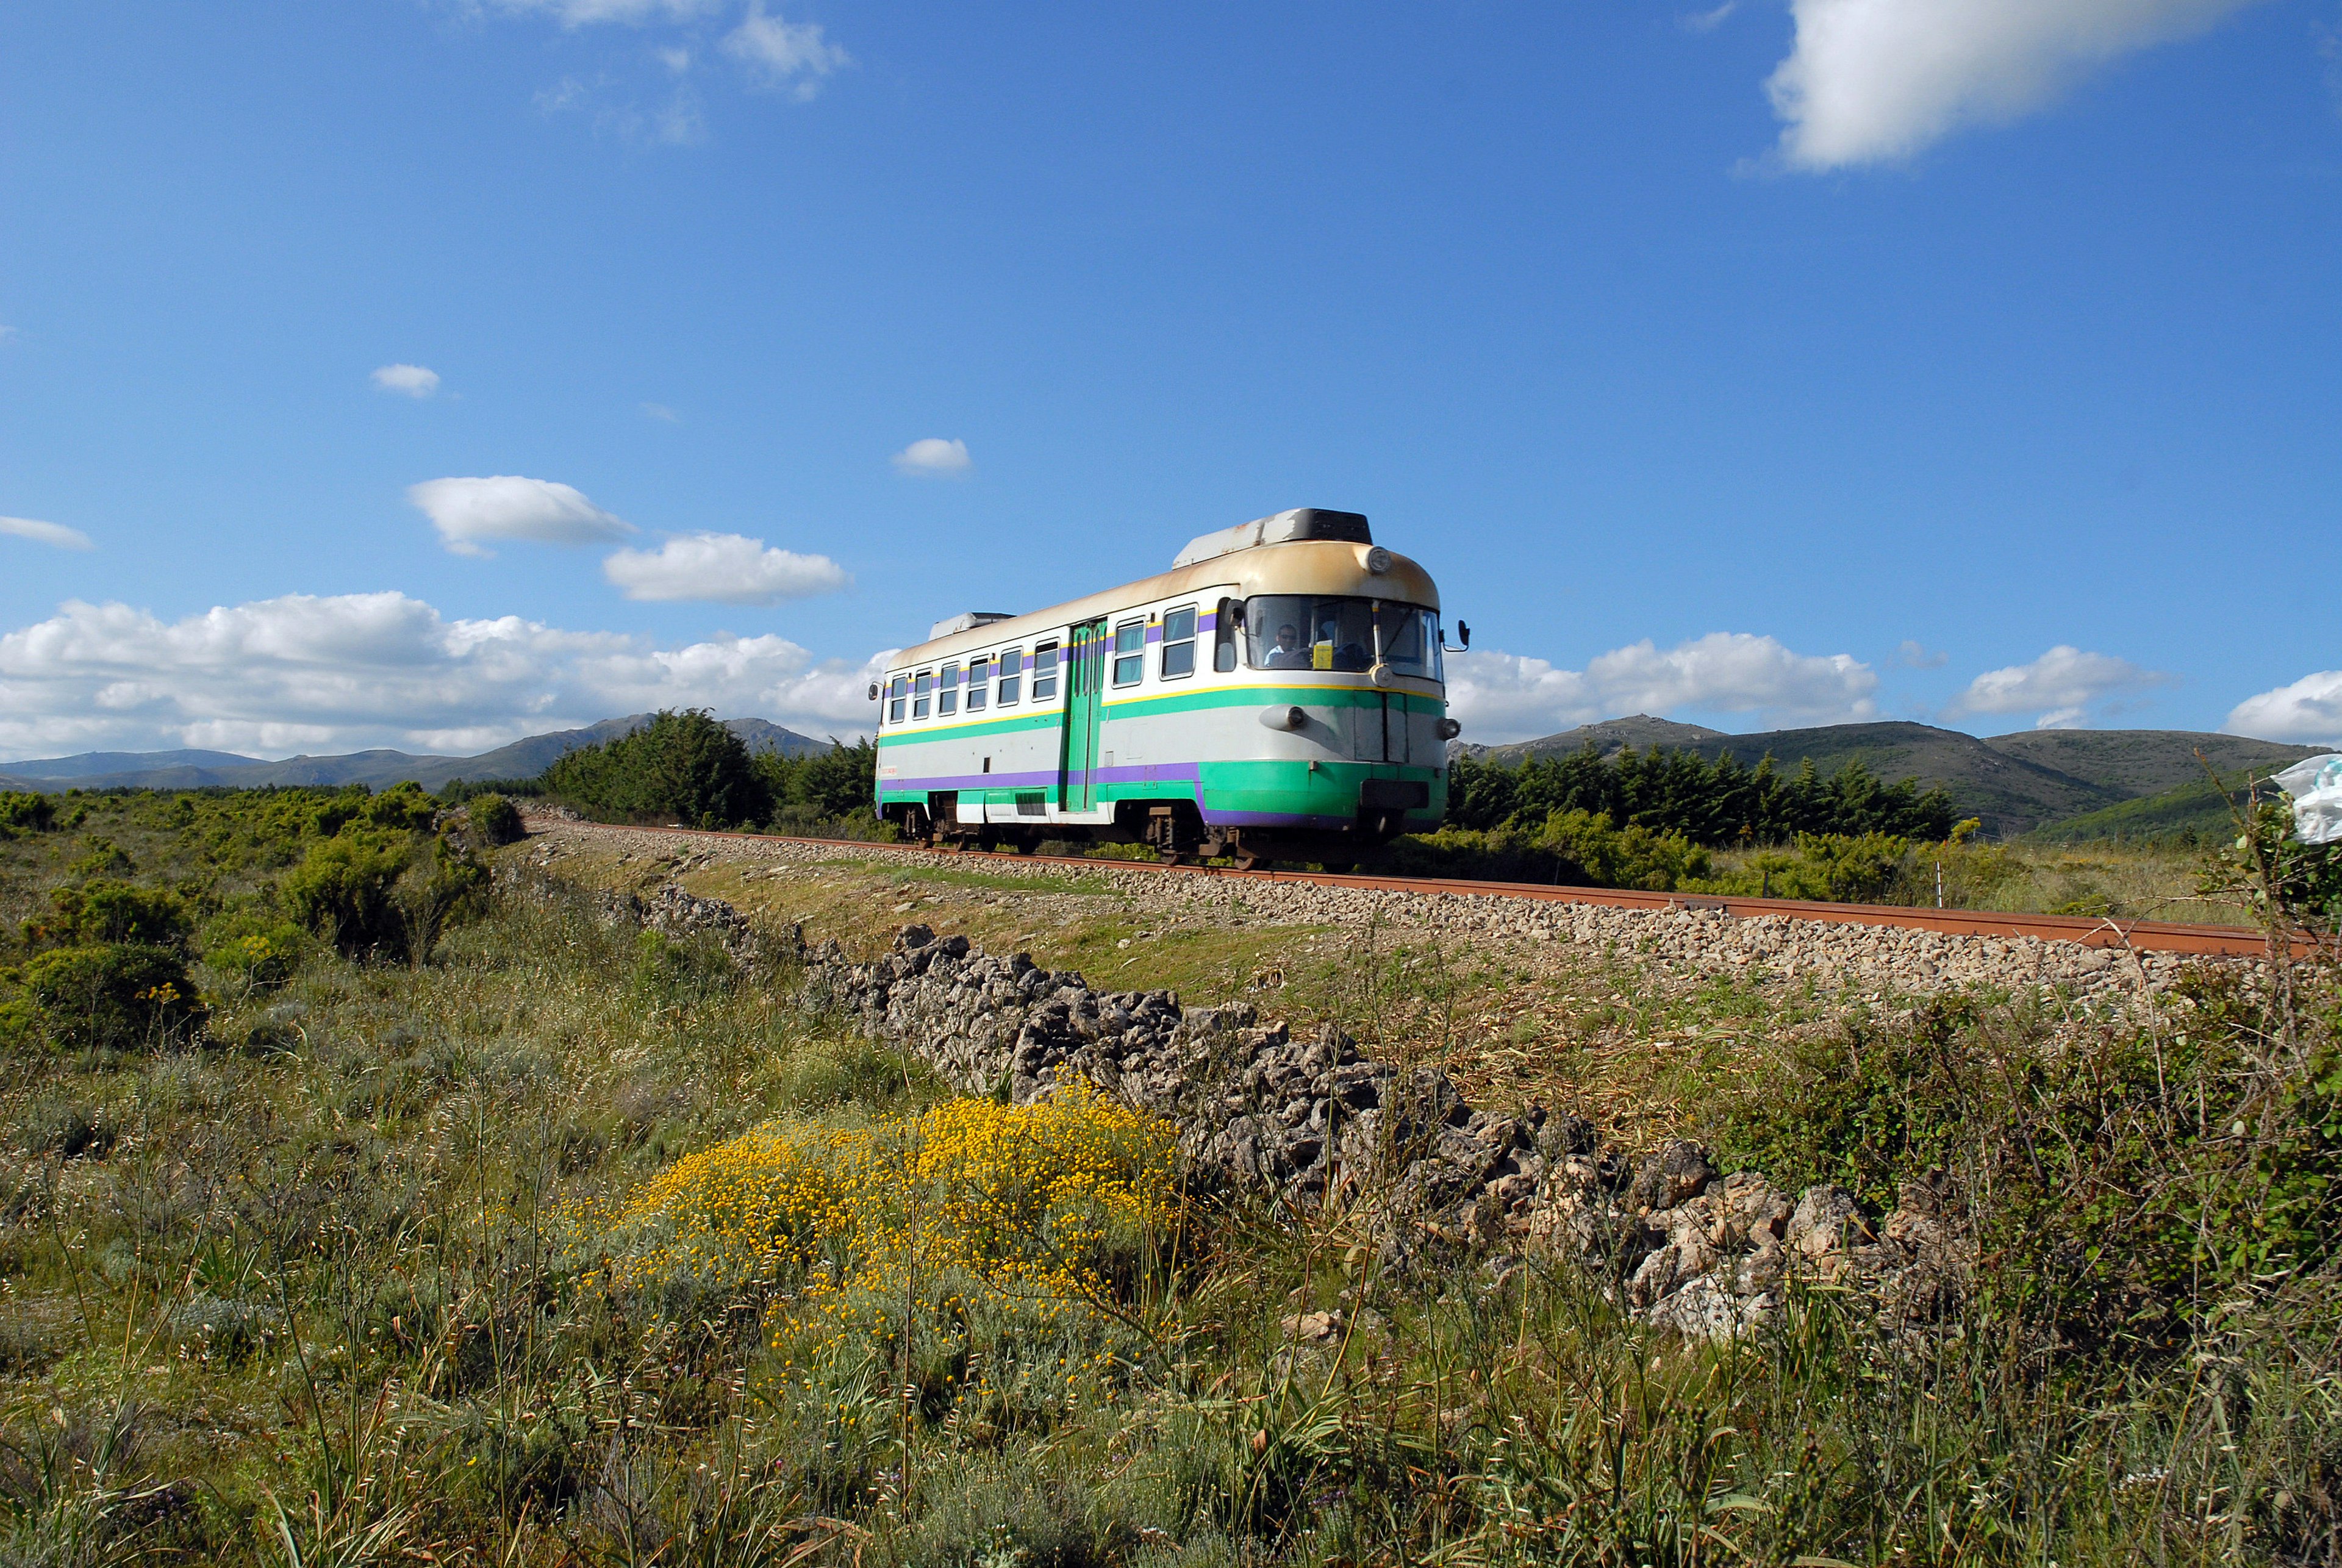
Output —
<point x="2139" y="935"/>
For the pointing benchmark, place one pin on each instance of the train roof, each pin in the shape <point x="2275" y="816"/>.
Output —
<point x="1305" y="566"/>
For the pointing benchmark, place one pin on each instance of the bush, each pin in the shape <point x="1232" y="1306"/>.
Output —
<point x="113" y="996"/>
<point x="254" y="952"/>
<point x="343" y="891"/>
<point x="1574" y="848"/>
<point x="495" y="819"/>
<point x="681" y="767"/>
<point x="24" y="812"/>
<point x="109" y="912"/>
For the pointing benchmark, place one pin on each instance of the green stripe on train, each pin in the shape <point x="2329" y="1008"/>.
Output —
<point x="1278" y="788"/>
<point x="1174" y="702"/>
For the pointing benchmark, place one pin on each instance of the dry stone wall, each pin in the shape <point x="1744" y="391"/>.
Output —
<point x="1309" y="1122"/>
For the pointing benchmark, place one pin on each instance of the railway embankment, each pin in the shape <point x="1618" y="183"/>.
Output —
<point x="1688" y="942"/>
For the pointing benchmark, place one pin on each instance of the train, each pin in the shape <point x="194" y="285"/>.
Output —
<point x="1279" y="694"/>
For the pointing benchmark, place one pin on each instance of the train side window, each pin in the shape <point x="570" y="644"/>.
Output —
<point x="1129" y="653"/>
<point x="923" y="691"/>
<point x="1045" y="671"/>
<point x="895" y="691"/>
<point x="1012" y="660"/>
<point x="947" y="695"/>
<point x="1179" y="642"/>
<point x="1224" y="635"/>
<point x="979" y="684"/>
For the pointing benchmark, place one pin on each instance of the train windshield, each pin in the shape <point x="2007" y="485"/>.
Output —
<point x="1321" y="632"/>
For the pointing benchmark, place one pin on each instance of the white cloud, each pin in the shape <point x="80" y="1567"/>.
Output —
<point x="1871" y="81"/>
<point x="724" y="569"/>
<point x="1914" y="655"/>
<point x="933" y="458"/>
<point x="1708" y="21"/>
<point x="412" y="380"/>
<point x="39" y="533"/>
<point x="507" y="507"/>
<point x="6" y="332"/>
<point x="781" y="51"/>
<point x="631" y="13"/>
<point x="1502" y="696"/>
<point x="2307" y="713"/>
<point x="677" y="59"/>
<point x="337" y="674"/>
<point x="2059" y="688"/>
<point x="661" y="412"/>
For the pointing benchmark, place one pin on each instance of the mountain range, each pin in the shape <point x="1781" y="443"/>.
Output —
<point x="2069" y="783"/>
<point x="378" y="769"/>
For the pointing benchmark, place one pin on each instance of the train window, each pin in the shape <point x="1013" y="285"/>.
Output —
<point x="1224" y="635"/>
<point x="1011" y="661"/>
<point x="923" y="688"/>
<point x="1179" y="642"/>
<point x="1315" y="631"/>
<point x="1129" y="653"/>
<point x="947" y="695"/>
<point x="895" y="691"/>
<point x="1045" y="671"/>
<point x="979" y="684"/>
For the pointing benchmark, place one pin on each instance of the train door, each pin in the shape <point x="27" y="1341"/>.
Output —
<point x="1379" y="728"/>
<point x="1085" y="675"/>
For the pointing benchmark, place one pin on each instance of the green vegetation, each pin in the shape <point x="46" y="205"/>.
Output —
<point x="1710" y="803"/>
<point x="552" y="1243"/>
<point x="682" y="767"/>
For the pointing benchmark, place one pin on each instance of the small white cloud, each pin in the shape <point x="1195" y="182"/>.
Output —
<point x="2061" y="687"/>
<point x="507" y="507"/>
<point x="784" y="54"/>
<point x="661" y="412"/>
<point x="1871" y="81"/>
<point x="412" y="380"/>
<point x="6" y="333"/>
<point x="1709" y="21"/>
<point x="1912" y="655"/>
<point x="1503" y="696"/>
<point x="2307" y="713"/>
<point x="933" y="458"/>
<point x="677" y="59"/>
<point x="39" y="533"/>
<point x="723" y="569"/>
<point x="629" y="13"/>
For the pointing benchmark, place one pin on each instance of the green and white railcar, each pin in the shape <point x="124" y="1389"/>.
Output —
<point x="1280" y="690"/>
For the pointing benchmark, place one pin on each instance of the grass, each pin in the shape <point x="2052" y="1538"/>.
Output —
<point x="571" y="1247"/>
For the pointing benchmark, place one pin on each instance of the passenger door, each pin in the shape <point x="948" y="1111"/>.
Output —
<point x="1084" y="676"/>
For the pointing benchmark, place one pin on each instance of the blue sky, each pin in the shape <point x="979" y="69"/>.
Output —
<point x="1957" y="360"/>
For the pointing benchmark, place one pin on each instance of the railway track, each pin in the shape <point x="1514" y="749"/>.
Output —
<point x="2141" y="935"/>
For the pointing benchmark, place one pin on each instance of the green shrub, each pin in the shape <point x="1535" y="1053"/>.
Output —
<point x="254" y="951"/>
<point x="341" y="891"/>
<point x="681" y="767"/>
<point x="23" y="813"/>
<point x="495" y="819"/>
<point x="107" y="912"/>
<point x="1574" y="848"/>
<point x="113" y="996"/>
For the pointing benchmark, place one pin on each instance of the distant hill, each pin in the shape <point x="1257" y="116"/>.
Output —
<point x="376" y="769"/>
<point x="2015" y="784"/>
<point x="2136" y="763"/>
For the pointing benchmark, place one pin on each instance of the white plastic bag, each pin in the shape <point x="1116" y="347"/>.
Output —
<point x="2316" y="786"/>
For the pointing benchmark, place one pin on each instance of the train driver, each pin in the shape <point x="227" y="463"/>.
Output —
<point x="1288" y="654"/>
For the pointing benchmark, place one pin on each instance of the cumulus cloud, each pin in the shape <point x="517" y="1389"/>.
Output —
<point x="412" y="380"/>
<point x="1871" y="81"/>
<point x="933" y="458"/>
<point x="335" y="673"/>
<point x="1502" y="696"/>
<point x="40" y="533"/>
<point x="508" y="506"/>
<point x="2307" y="713"/>
<point x="2059" y="688"/>
<point x="723" y="569"/>
<point x="784" y="54"/>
